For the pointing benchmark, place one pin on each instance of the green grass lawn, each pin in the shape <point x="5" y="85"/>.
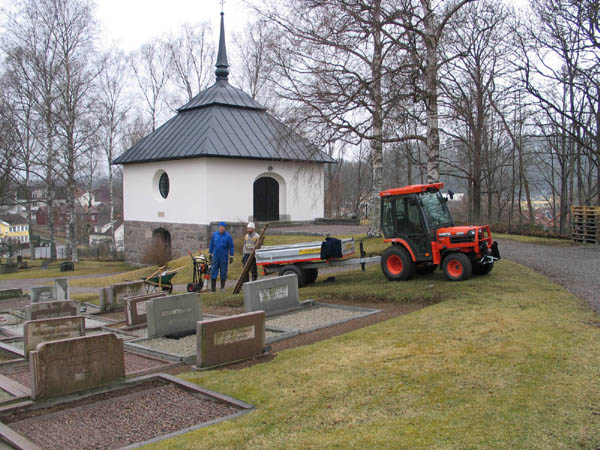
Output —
<point x="509" y="360"/>
<point x="86" y="267"/>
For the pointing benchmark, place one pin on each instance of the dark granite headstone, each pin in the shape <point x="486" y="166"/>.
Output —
<point x="44" y="330"/>
<point x="74" y="365"/>
<point x="173" y="315"/>
<point x="228" y="339"/>
<point x="135" y="308"/>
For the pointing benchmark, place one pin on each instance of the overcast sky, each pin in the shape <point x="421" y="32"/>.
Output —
<point x="130" y="23"/>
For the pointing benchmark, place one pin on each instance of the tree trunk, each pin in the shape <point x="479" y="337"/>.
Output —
<point x="377" y="141"/>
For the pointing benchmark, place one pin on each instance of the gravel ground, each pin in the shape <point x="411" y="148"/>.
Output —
<point x="185" y="346"/>
<point x="310" y="318"/>
<point x="576" y="267"/>
<point x="126" y="419"/>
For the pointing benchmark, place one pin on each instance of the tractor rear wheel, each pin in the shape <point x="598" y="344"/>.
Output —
<point x="457" y="267"/>
<point x="482" y="269"/>
<point x="292" y="269"/>
<point x="396" y="264"/>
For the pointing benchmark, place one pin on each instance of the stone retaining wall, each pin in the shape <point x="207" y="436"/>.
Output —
<point x="184" y="237"/>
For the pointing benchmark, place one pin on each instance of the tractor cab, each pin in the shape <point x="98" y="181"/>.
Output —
<point x="416" y="220"/>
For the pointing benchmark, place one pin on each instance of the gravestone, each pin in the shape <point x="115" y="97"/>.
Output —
<point x="44" y="330"/>
<point x="174" y="314"/>
<point x="62" y="288"/>
<point x="113" y="297"/>
<point x="9" y="294"/>
<point x="271" y="295"/>
<point x="135" y="308"/>
<point x="49" y="310"/>
<point x="229" y="339"/>
<point x="76" y="364"/>
<point x="43" y="294"/>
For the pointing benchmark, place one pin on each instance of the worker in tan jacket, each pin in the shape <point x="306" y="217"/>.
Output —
<point x="250" y="241"/>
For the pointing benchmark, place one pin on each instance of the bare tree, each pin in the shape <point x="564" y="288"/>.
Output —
<point x="152" y="67"/>
<point x="191" y="57"/>
<point x="561" y="56"/>
<point x="335" y="60"/>
<point x="112" y="116"/>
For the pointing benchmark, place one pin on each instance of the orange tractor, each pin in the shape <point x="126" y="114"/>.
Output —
<point x="416" y="221"/>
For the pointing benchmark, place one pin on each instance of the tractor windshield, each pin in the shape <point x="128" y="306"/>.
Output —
<point x="435" y="209"/>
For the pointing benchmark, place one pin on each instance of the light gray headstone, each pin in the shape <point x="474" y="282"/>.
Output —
<point x="43" y="294"/>
<point x="49" y="310"/>
<point x="118" y="292"/>
<point x="62" y="288"/>
<point x="173" y="314"/>
<point x="105" y="298"/>
<point x="271" y="295"/>
<point x="45" y="330"/>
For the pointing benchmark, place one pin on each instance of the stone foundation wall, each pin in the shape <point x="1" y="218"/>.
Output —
<point x="184" y="237"/>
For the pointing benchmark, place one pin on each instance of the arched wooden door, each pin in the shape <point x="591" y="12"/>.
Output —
<point x="160" y="236"/>
<point x="266" y="199"/>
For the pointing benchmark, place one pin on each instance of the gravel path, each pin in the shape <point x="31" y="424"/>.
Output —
<point x="576" y="267"/>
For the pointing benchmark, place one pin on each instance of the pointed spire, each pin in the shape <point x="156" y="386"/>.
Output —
<point x="222" y="71"/>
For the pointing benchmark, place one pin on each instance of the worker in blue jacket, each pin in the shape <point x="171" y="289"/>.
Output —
<point x="221" y="255"/>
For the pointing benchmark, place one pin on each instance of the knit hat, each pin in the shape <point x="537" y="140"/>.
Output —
<point x="222" y="224"/>
<point x="251" y="225"/>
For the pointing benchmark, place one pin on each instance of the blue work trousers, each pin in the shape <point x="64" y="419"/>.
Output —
<point x="219" y="264"/>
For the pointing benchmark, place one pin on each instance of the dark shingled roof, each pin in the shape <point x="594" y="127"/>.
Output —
<point x="220" y="122"/>
<point x="223" y="121"/>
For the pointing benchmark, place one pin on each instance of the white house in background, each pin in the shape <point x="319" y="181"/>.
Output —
<point x="102" y="234"/>
<point x="222" y="157"/>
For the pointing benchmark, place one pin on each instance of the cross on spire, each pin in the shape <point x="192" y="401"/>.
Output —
<point x="222" y="5"/>
<point x="222" y="71"/>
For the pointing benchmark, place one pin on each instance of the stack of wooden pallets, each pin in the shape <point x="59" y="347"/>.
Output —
<point x="585" y="224"/>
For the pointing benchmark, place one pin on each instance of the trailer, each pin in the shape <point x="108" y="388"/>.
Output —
<point x="304" y="259"/>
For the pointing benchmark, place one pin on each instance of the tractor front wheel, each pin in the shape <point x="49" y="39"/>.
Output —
<point x="457" y="267"/>
<point x="396" y="264"/>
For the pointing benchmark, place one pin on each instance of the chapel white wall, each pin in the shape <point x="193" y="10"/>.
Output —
<point x="204" y="190"/>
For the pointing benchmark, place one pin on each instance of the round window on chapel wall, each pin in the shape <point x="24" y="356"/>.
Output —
<point x="163" y="185"/>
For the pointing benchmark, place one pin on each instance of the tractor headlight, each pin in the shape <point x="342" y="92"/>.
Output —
<point x="471" y="233"/>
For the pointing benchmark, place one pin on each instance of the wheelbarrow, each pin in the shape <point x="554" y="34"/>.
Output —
<point x="160" y="280"/>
